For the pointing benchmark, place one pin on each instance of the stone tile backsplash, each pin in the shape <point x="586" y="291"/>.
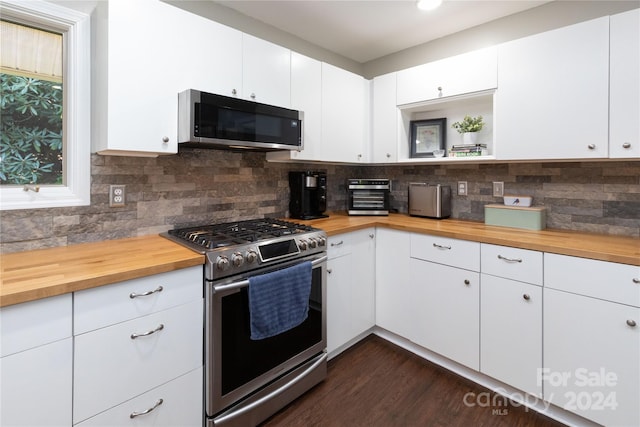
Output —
<point x="200" y="186"/>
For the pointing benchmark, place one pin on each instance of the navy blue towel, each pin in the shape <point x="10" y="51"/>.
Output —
<point x="279" y="301"/>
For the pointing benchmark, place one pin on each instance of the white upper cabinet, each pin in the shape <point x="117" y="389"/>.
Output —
<point x="266" y="72"/>
<point x="212" y="60"/>
<point x="553" y="94"/>
<point x="624" y="128"/>
<point x="345" y="115"/>
<point x="384" y="122"/>
<point x="138" y="57"/>
<point x="306" y="96"/>
<point x="469" y="72"/>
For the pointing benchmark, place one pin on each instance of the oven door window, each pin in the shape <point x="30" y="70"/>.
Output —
<point x="244" y="359"/>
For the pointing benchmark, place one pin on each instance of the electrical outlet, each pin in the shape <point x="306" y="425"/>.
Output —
<point x="116" y="196"/>
<point x="498" y="189"/>
<point x="462" y="188"/>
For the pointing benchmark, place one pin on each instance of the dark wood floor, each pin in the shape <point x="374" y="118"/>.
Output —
<point x="376" y="383"/>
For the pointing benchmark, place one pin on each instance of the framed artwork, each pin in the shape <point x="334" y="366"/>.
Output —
<point x="428" y="136"/>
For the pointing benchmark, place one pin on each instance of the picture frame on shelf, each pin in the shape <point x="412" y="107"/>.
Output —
<point x="427" y="136"/>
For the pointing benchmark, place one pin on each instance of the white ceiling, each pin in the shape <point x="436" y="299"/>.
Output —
<point x="364" y="30"/>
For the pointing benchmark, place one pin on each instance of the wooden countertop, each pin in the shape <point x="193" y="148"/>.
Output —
<point x="32" y="275"/>
<point x="625" y="250"/>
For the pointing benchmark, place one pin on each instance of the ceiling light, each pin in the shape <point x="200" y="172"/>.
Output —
<point x="428" y="4"/>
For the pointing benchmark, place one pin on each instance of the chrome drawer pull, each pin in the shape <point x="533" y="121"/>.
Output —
<point x="509" y="259"/>
<point x="338" y="244"/>
<point x="145" y="334"/>
<point x="435" y="245"/>
<point x="145" y="412"/>
<point x="631" y="323"/>
<point x="133" y="295"/>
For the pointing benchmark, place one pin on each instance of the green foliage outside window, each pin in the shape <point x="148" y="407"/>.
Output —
<point x="31" y="131"/>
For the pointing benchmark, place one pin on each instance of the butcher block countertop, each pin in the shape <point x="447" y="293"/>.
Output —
<point x="32" y="275"/>
<point x="625" y="250"/>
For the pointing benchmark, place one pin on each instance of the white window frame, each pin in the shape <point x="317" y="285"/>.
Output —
<point x="77" y="107"/>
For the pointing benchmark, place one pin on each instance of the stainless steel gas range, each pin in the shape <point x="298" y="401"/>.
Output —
<point x="248" y="379"/>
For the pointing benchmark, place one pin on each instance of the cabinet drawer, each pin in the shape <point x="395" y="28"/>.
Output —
<point x="443" y="250"/>
<point x="32" y="324"/>
<point x="599" y="279"/>
<point x="512" y="263"/>
<point x="338" y="245"/>
<point x="108" y="305"/>
<point x="111" y="367"/>
<point x="181" y="406"/>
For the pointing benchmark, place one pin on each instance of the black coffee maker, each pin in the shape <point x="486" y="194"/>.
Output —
<point x="308" y="195"/>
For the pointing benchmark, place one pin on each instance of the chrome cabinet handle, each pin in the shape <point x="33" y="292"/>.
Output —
<point x="329" y="270"/>
<point x="526" y="297"/>
<point x="253" y="96"/>
<point x="165" y="139"/>
<point x="372" y="235"/>
<point x="467" y="282"/>
<point x="337" y="244"/>
<point x="626" y="145"/>
<point x="509" y="259"/>
<point x="137" y="414"/>
<point x="144" y="294"/>
<point x="234" y="92"/>
<point x="145" y="334"/>
<point x="631" y="323"/>
<point x="636" y="280"/>
<point x="591" y="146"/>
<point x="388" y="155"/>
<point x="435" y="245"/>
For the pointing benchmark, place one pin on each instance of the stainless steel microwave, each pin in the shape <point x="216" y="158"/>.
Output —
<point x="207" y="120"/>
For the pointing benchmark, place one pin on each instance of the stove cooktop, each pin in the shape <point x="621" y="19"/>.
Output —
<point x="241" y="246"/>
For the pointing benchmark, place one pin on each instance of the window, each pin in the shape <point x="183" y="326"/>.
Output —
<point x="45" y="76"/>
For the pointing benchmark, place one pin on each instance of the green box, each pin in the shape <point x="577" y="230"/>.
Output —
<point x="530" y="218"/>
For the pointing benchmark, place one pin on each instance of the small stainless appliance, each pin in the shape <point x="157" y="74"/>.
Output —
<point x="308" y="199"/>
<point x="248" y="380"/>
<point x="207" y="120"/>
<point x="368" y="196"/>
<point x="429" y="200"/>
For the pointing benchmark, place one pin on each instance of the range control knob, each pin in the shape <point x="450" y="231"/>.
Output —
<point x="222" y="263"/>
<point x="302" y="244"/>
<point x="322" y="241"/>
<point x="251" y="256"/>
<point x="312" y="242"/>
<point x="237" y="259"/>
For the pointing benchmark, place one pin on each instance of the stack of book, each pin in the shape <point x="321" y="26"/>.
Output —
<point x="468" y="150"/>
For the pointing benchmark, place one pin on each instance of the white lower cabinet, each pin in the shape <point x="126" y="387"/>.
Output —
<point x="35" y="386"/>
<point x="176" y="403"/>
<point x="445" y="297"/>
<point x="393" y="281"/>
<point x="134" y="338"/>
<point x="350" y="287"/>
<point x="116" y="363"/>
<point x="592" y="339"/>
<point x="36" y="364"/>
<point x="511" y="332"/>
<point x="445" y="302"/>
<point x="511" y="316"/>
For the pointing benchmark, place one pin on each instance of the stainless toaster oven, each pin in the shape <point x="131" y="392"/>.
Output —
<point x="429" y="200"/>
<point x="369" y="196"/>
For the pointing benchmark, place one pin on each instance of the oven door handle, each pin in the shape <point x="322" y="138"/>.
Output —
<point x="227" y="417"/>
<point x="245" y="283"/>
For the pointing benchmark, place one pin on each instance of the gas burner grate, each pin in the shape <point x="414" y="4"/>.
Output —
<point x="215" y="236"/>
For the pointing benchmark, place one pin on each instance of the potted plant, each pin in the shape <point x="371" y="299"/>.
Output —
<point x="468" y="127"/>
